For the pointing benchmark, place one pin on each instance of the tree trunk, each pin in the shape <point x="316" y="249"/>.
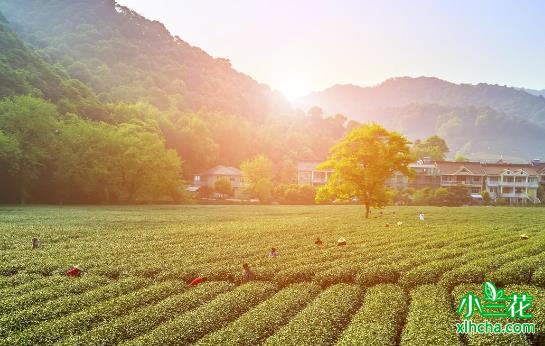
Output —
<point x="367" y="211"/>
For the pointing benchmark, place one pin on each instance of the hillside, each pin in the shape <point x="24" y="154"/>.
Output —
<point x="483" y="121"/>
<point x="24" y="72"/>
<point x="125" y="57"/>
<point x="397" y="92"/>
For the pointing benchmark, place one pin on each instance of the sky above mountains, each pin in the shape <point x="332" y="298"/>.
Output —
<point x="302" y="46"/>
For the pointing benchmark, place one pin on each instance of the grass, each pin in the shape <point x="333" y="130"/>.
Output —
<point x="167" y="246"/>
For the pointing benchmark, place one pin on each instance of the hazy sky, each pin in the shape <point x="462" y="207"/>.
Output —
<point x="302" y="46"/>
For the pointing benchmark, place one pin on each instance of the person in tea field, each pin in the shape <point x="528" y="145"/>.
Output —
<point x="318" y="241"/>
<point x="273" y="253"/>
<point x="421" y="216"/>
<point x="35" y="243"/>
<point x="247" y="274"/>
<point x="197" y="281"/>
<point x="341" y="241"/>
<point x="74" y="272"/>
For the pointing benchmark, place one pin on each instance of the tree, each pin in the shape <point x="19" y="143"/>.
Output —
<point x="540" y="194"/>
<point x="458" y="195"/>
<point x="362" y="162"/>
<point x="441" y="196"/>
<point x="486" y="197"/>
<point x="32" y="125"/>
<point x="433" y="147"/>
<point x="460" y="158"/>
<point x="423" y="196"/>
<point x="263" y="190"/>
<point x="258" y="170"/>
<point x="223" y="187"/>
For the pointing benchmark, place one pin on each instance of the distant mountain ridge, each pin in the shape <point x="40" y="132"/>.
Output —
<point x="358" y="101"/>
<point x="125" y="57"/>
<point x="483" y="121"/>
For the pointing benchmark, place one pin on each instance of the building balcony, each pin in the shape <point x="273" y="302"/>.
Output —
<point x="514" y="195"/>
<point x="462" y="183"/>
<point x="319" y="181"/>
<point x="522" y="184"/>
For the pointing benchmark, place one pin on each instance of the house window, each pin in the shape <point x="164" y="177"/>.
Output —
<point x="197" y="178"/>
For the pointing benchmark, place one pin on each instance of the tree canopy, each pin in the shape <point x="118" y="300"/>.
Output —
<point x="362" y="162"/>
<point x="433" y="147"/>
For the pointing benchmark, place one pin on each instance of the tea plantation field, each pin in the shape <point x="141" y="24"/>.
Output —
<point x="396" y="282"/>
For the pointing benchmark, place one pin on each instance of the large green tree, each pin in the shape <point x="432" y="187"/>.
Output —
<point x="362" y="162"/>
<point x="257" y="177"/>
<point x="433" y="147"/>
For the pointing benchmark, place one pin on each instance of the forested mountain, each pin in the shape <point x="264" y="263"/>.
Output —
<point x="22" y="71"/>
<point x="398" y="92"/>
<point x="125" y="57"/>
<point x="483" y="121"/>
<point x="114" y="108"/>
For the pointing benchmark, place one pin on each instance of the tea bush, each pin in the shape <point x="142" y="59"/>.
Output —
<point x="379" y="321"/>
<point x="430" y="320"/>
<point x="322" y="320"/>
<point x="255" y="326"/>
<point x="191" y="326"/>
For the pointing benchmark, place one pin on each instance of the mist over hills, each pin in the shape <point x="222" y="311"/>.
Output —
<point x="83" y="54"/>
<point x="123" y="56"/>
<point x="482" y="121"/>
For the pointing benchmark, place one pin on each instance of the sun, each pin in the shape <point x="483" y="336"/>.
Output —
<point x="293" y="89"/>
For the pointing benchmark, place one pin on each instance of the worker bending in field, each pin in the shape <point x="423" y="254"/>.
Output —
<point x="273" y="253"/>
<point x="247" y="274"/>
<point x="341" y="241"/>
<point x="197" y="281"/>
<point x="74" y="272"/>
<point x="318" y="241"/>
<point x="35" y="243"/>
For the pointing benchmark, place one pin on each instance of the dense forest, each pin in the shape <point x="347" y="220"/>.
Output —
<point x="107" y="106"/>
<point x="482" y="121"/>
<point x="101" y="105"/>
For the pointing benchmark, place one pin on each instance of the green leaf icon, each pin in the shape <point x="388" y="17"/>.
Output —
<point x="490" y="291"/>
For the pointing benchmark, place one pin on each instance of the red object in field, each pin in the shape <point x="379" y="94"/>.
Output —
<point x="196" y="281"/>
<point x="74" y="272"/>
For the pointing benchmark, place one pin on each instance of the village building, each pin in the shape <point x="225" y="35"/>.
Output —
<point x="309" y="174"/>
<point x="516" y="183"/>
<point x="209" y="177"/>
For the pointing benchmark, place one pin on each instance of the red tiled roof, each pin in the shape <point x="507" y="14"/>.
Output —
<point x="223" y="170"/>
<point x="498" y="168"/>
<point x="453" y="167"/>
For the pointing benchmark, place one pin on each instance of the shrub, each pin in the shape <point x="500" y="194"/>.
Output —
<point x="30" y="285"/>
<point x="259" y="323"/>
<point x="193" y="325"/>
<point x="519" y="271"/>
<point x="140" y="322"/>
<point x="66" y="305"/>
<point x="66" y="286"/>
<point x="9" y="282"/>
<point x="475" y="271"/>
<point x="337" y="275"/>
<point x="374" y="275"/>
<point x="223" y="187"/>
<point x="431" y="320"/>
<point x="295" y="274"/>
<point x="322" y="320"/>
<point x="379" y="320"/>
<point x="52" y="331"/>
<point x="538" y="278"/>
